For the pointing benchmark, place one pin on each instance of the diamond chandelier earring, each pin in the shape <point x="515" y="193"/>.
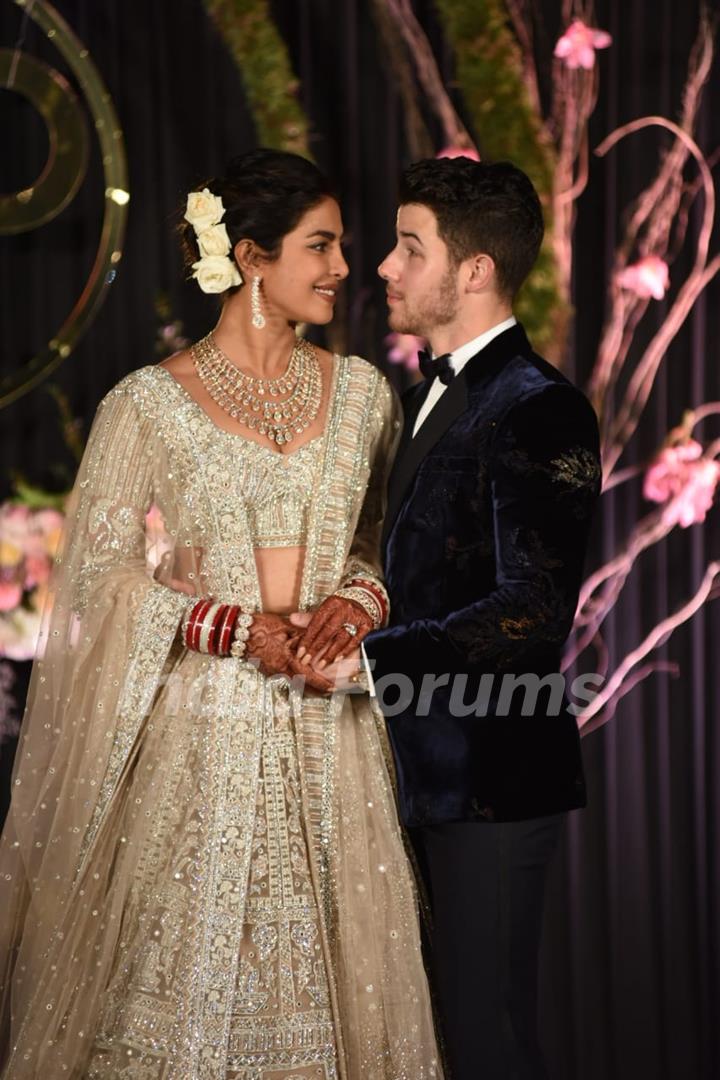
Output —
<point x="258" y="319"/>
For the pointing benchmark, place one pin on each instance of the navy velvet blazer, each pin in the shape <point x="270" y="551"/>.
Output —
<point x="489" y="509"/>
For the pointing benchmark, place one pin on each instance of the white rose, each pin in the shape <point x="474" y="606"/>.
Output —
<point x="214" y="241"/>
<point x="203" y="209"/>
<point x="215" y="274"/>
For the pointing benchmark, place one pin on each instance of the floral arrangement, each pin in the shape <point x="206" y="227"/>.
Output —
<point x="683" y="479"/>
<point x="28" y="543"/>
<point x="215" y="271"/>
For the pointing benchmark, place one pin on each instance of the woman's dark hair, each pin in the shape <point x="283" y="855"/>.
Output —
<point x="481" y="207"/>
<point x="265" y="194"/>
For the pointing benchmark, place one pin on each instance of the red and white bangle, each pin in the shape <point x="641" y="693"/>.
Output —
<point x="210" y="626"/>
<point x="207" y="630"/>
<point x="193" y="626"/>
<point x="376" y="591"/>
<point x="366" y="600"/>
<point x="226" y="629"/>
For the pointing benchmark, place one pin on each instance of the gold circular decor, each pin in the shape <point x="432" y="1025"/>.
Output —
<point x="109" y="252"/>
<point x="66" y="164"/>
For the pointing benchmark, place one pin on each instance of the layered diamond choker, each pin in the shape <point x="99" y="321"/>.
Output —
<point x="252" y="401"/>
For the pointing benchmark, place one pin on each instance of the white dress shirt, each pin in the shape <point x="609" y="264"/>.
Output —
<point x="458" y="360"/>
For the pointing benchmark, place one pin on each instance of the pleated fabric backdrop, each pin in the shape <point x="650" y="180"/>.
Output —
<point x="630" y="972"/>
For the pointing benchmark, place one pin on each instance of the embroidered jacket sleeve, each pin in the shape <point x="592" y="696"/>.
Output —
<point x="544" y="472"/>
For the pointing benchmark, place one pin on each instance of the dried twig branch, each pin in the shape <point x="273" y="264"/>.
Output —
<point x="428" y="73"/>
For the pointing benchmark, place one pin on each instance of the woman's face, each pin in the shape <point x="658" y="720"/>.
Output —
<point x="303" y="283"/>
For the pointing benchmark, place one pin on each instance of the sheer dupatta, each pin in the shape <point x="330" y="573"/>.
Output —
<point x="108" y="630"/>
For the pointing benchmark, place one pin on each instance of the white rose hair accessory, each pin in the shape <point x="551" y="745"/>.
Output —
<point x="214" y="271"/>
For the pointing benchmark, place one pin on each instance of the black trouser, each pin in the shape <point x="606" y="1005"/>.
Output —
<point x="486" y="885"/>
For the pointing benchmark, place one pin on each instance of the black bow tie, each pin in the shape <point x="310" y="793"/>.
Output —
<point x="438" y="365"/>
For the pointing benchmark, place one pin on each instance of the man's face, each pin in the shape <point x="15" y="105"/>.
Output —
<point x="422" y="289"/>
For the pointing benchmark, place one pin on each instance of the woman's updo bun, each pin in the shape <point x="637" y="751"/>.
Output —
<point x="265" y="194"/>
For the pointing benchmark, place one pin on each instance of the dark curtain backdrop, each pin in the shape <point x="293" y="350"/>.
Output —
<point x="630" y="958"/>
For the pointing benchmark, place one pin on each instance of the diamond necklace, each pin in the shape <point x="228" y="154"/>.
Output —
<point x="245" y="398"/>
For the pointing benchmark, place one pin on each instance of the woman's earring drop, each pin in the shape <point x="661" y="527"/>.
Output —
<point x="258" y="319"/>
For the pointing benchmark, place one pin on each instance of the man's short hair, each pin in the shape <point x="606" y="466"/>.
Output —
<point x="488" y="208"/>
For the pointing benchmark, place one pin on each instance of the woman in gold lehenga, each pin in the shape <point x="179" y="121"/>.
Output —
<point x="203" y="874"/>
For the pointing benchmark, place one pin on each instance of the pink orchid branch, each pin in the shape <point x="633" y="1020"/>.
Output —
<point x="682" y="136"/>
<point x="428" y="73"/>
<point x="575" y="100"/>
<point x="623" y="475"/>
<point x="711" y="408"/>
<point x="657" y="210"/>
<point x="646" y="533"/>
<point x="643" y="378"/>
<point x="522" y="26"/>
<point x="663" y="192"/>
<point x="588" y="726"/>
<point x="601" y="590"/>
<point x="607" y="698"/>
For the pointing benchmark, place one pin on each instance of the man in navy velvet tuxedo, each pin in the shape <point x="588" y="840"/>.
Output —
<point x="488" y="515"/>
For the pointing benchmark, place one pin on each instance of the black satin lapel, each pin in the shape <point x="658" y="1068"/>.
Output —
<point x="413" y="406"/>
<point x="452" y="404"/>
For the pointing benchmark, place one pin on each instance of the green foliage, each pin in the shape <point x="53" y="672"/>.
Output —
<point x="507" y="127"/>
<point x="26" y="494"/>
<point x="262" y="58"/>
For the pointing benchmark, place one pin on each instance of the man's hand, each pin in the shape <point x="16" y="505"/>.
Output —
<point x="344" y="674"/>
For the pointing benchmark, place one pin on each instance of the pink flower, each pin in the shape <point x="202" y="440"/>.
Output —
<point x="49" y="524"/>
<point x="667" y="475"/>
<point x="459" y="151"/>
<point x="10" y="595"/>
<point x="696" y="498"/>
<point x="403" y="349"/>
<point x="578" y="44"/>
<point x="647" y="277"/>
<point x="37" y="570"/>
<point x="14" y="533"/>
<point x="685" y="480"/>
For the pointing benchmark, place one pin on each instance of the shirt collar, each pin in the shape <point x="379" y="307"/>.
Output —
<point x="460" y="356"/>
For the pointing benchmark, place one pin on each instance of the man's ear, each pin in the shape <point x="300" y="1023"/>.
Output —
<point x="482" y="274"/>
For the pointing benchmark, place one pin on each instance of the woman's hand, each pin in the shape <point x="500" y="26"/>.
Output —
<point x="272" y="640"/>
<point x="327" y="636"/>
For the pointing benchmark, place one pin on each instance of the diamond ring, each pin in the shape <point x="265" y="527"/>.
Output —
<point x="351" y="628"/>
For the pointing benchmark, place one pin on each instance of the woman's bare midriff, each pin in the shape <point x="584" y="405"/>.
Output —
<point x="280" y="578"/>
